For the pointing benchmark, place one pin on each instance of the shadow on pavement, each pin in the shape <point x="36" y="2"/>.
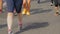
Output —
<point x="3" y="25"/>
<point x="33" y="26"/>
<point x="45" y="1"/>
<point x="42" y="1"/>
<point x="35" y="11"/>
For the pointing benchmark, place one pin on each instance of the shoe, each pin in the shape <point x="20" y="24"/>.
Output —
<point x="28" y="13"/>
<point x="15" y="14"/>
<point x="10" y="32"/>
<point x="20" y="27"/>
<point x="57" y="13"/>
<point x="24" y="11"/>
<point x="51" y="4"/>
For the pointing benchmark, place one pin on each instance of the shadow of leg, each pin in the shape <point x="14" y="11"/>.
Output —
<point x="33" y="26"/>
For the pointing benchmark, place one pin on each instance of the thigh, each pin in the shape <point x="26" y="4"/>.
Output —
<point x="10" y="5"/>
<point x="18" y="5"/>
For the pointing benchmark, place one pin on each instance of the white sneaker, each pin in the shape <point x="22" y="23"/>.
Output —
<point x="10" y="32"/>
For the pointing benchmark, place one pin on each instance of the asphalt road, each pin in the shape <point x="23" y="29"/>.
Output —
<point x="41" y="21"/>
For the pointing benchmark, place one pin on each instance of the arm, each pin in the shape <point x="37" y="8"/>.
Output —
<point x="1" y="5"/>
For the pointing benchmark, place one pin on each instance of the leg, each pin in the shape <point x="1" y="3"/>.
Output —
<point x="24" y="7"/>
<point x="56" y="7"/>
<point x="9" y="20"/>
<point x="28" y="7"/>
<point x="1" y="6"/>
<point x="18" y="9"/>
<point x="20" y="20"/>
<point x="57" y="10"/>
<point x="10" y="8"/>
<point x="24" y="3"/>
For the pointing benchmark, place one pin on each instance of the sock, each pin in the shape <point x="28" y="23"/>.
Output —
<point x="20" y="23"/>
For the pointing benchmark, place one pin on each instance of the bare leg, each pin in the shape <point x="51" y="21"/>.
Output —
<point x="57" y="11"/>
<point x="28" y="4"/>
<point x="20" y="20"/>
<point x="24" y="7"/>
<point x="28" y="7"/>
<point x="9" y="21"/>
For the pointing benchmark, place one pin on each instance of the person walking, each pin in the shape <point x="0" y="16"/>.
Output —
<point x="11" y="5"/>
<point x="26" y="7"/>
<point x="57" y="4"/>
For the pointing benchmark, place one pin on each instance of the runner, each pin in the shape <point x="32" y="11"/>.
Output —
<point x="1" y="6"/>
<point x="11" y="4"/>
<point x="57" y="4"/>
<point x="26" y="7"/>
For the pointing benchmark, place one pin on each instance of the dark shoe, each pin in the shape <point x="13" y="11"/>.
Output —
<point x="57" y="13"/>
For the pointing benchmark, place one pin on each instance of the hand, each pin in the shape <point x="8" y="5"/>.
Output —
<point x="0" y="11"/>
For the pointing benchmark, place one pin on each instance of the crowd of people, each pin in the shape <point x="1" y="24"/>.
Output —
<point x="15" y="6"/>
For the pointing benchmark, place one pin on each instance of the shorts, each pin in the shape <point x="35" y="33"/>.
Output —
<point x="14" y="4"/>
<point x="57" y="3"/>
